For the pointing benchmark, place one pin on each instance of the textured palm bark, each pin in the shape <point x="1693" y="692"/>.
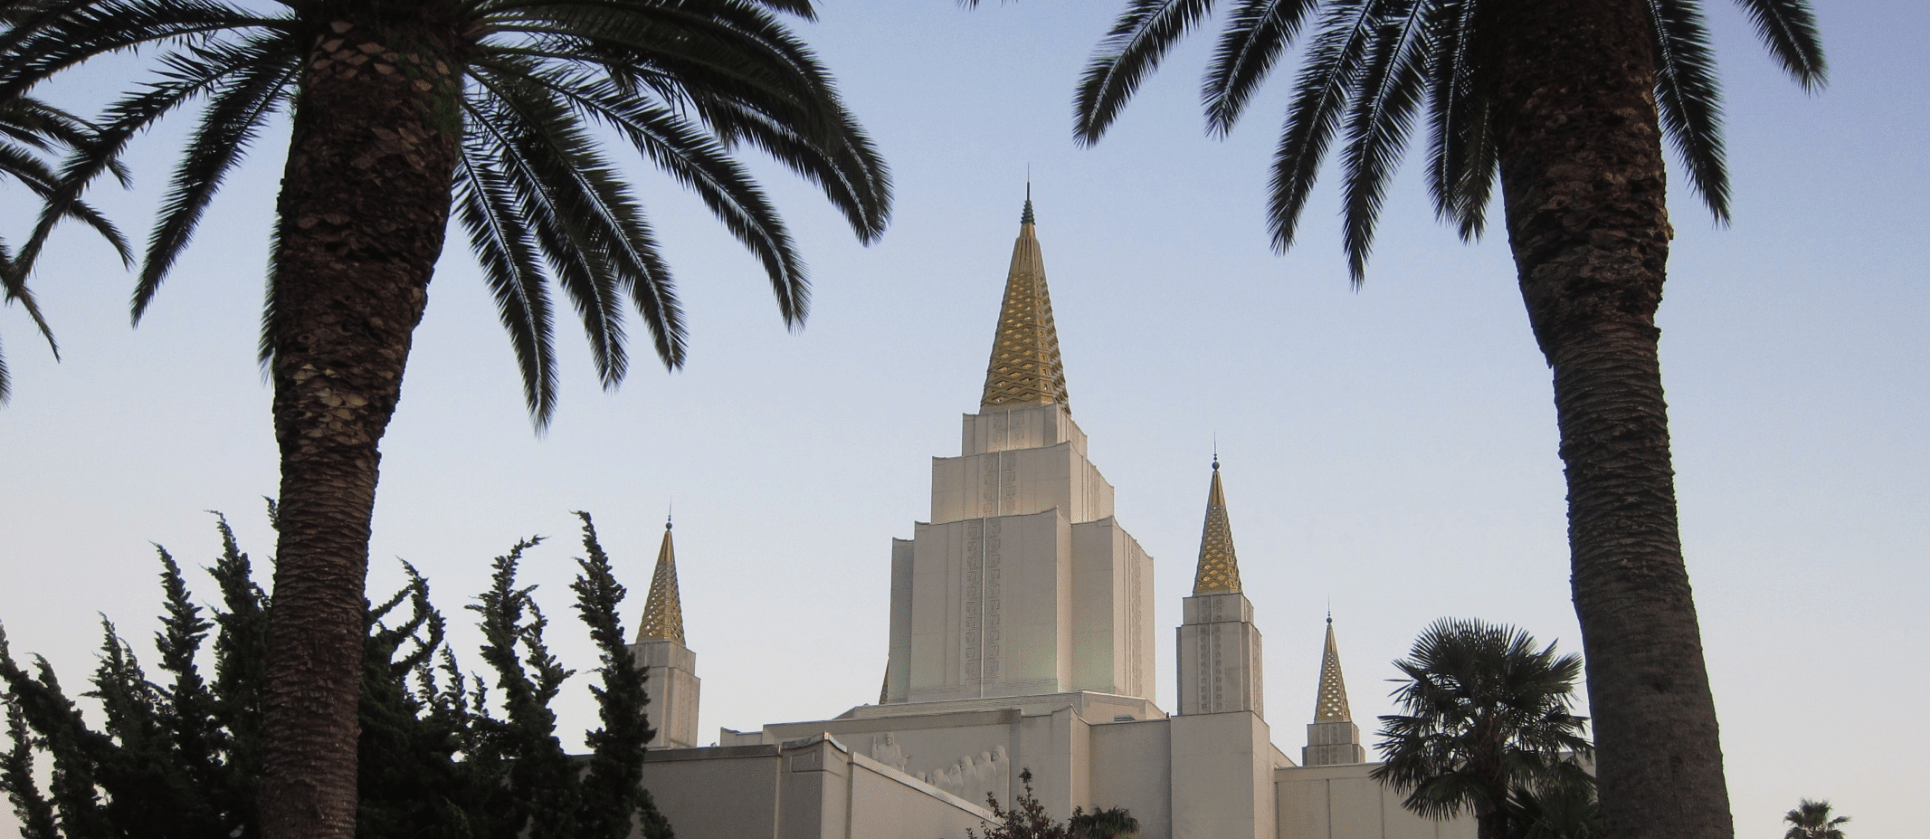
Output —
<point x="364" y="203"/>
<point x="1583" y="184"/>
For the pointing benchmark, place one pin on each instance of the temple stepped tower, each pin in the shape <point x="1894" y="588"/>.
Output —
<point x="1022" y="584"/>
<point x="1332" y="738"/>
<point x="670" y="668"/>
<point x="1219" y="647"/>
<point x="1223" y="758"/>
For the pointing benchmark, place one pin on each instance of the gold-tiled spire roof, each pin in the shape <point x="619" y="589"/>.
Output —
<point x="1219" y="570"/>
<point x="1025" y="367"/>
<point x="1332" y="704"/>
<point x="663" y="613"/>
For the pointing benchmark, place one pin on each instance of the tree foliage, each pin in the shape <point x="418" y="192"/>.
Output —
<point x="1487" y="724"/>
<point x="1374" y="69"/>
<point x="685" y="86"/>
<point x="1811" y="820"/>
<point x="30" y="131"/>
<point x="1028" y="820"/>
<point x="441" y="756"/>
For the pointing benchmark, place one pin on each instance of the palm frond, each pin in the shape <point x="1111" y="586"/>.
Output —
<point x="1387" y="91"/>
<point x="1320" y="94"/>
<point x="1144" y="33"/>
<point x="503" y="244"/>
<point x="1788" y="29"/>
<point x="539" y="178"/>
<point x="701" y="164"/>
<point x="1448" y="91"/>
<point x="258" y="84"/>
<point x="740" y="72"/>
<point x="90" y="29"/>
<point x="1256" y="33"/>
<point x="36" y="175"/>
<point x="181" y="81"/>
<point x="1690" y="100"/>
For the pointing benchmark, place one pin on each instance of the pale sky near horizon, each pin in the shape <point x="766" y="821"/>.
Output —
<point x="1390" y="451"/>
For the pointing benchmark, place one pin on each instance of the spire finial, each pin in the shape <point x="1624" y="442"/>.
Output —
<point x="1219" y="568"/>
<point x="1026" y="216"/>
<point x="1331" y="704"/>
<point x="1025" y="367"/>
<point x="663" y="612"/>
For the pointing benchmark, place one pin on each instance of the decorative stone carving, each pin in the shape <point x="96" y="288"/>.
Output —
<point x="888" y="752"/>
<point x="973" y="777"/>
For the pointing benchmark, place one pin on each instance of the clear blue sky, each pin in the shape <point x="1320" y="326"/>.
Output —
<point x="1391" y="450"/>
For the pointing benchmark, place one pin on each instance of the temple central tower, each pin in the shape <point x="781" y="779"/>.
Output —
<point x="1022" y="583"/>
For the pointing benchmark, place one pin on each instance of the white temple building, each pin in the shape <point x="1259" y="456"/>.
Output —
<point x="1021" y="637"/>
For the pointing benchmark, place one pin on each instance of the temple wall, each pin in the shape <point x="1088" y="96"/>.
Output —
<point x="1223" y="777"/>
<point x="1342" y="802"/>
<point x="812" y="788"/>
<point x="1132" y="767"/>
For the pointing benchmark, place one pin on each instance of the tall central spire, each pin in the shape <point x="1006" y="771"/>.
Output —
<point x="1219" y="569"/>
<point x="663" y="613"/>
<point x="1025" y="367"/>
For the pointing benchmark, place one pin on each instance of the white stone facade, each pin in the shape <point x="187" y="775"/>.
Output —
<point x="670" y="679"/>
<point x="1021" y="638"/>
<point x="1022" y="583"/>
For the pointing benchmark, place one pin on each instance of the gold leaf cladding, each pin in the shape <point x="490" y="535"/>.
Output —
<point x="1025" y="367"/>
<point x="1331" y="706"/>
<point x="663" y="613"/>
<point x="1219" y="569"/>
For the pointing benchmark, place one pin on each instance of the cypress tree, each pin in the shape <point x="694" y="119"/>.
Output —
<point x="613" y="793"/>
<point x="180" y="760"/>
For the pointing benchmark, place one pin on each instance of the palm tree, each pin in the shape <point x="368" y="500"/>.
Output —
<point x="1564" y="809"/>
<point x="401" y="109"/>
<point x="1568" y="102"/>
<point x="1488" y="717"/>
<point x="1811" y="820"/>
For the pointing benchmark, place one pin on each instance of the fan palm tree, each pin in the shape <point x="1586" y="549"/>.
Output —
<point x="1564" y="809"/>
<point x="1568" y="103"/>
<point x="402" y="109"/>
<point x="1487" y="716"/>
<point x="1811" y="820"/>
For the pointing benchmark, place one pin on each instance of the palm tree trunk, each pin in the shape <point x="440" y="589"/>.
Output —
<point x="1490" y="822"/>
<point x="363" y="207"/>
<point x="1583" y="184"/>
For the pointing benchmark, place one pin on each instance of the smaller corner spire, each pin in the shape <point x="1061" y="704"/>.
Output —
<point x="1331" y="705"/>
<point x="663" y="612"/>
<point x="1219" y="567"/>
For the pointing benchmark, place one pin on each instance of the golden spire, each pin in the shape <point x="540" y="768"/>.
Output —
<point x="1025" y="367"/>
<point x="1332" y="704"/>
<point x="1219" y="570"/>
<point x="663" y="613"/>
